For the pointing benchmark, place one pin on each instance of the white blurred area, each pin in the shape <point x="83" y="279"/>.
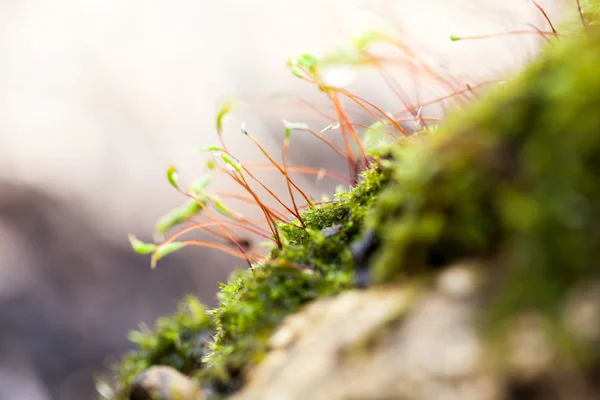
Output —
<point x="97" y="97"/>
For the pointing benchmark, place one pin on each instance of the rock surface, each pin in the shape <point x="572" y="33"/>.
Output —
<point x="164" y="383"/>
<point x="408" y="342"/>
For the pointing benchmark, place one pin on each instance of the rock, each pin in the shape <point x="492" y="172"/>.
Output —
<point x="376" y="345"/>
<point x="411" y="342"/>
<point x="164" y="383"/>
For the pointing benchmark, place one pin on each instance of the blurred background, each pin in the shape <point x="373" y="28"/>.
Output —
<point x="98" y="97"/>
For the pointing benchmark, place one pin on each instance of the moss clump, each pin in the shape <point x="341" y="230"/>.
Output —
<point x="177" y="341"/>
<point x="253" y="303"/>
<point x="513" y="180"/>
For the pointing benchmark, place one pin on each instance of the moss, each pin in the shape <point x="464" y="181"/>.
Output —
<point x="253" y="303"/>
<point x="513" y="180"/>
<point x="176" y="341"/>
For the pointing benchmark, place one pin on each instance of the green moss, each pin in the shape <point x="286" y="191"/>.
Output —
<point x="177" y="341"/>
<point x="253" y="303"/>
<point x="513" y="180"/>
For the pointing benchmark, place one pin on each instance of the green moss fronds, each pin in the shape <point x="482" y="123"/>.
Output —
<point x="253" y="303"/>
<point x="513" y="180"/>
<point x="177" y="341"/>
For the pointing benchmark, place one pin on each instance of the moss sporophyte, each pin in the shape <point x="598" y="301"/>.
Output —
<point x="484" y="184"/>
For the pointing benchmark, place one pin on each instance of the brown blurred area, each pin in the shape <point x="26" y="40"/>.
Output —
<point x="98" y="97"/>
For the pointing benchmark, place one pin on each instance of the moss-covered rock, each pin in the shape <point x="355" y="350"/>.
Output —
<point x="315" y="261"/>
<point x="413" y="341"/>
<point x="512" y="182"/>
<point x="177" y="341"/>
<point x="254" y="302"/>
